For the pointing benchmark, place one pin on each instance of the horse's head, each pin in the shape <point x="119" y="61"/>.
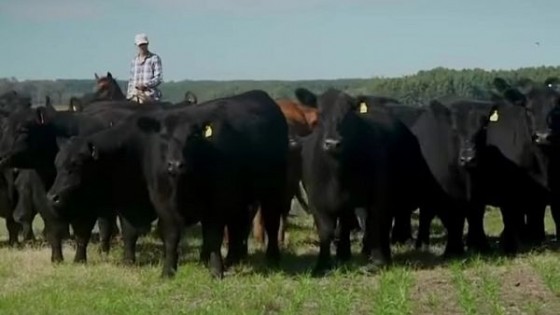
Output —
<point x="107" y="88"/>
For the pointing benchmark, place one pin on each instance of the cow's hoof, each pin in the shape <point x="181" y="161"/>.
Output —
<point x="376" y="259"/>
<point x="105" y="248"/>
<point x="344" y="254"/>
<point x="321" y="269"/>
<point x="80" y="260"/>
<point x="510" y="248"/>
<point x="273" y="258"/>
<point x="216" y="266"/>
<point x="319" y="272"/>
<point x="480" y="247"/>
<point x="56" y="260"/>
<point x="168" y="273"/>
<point x="232" y="260"/>
<point x="451" y="253"/>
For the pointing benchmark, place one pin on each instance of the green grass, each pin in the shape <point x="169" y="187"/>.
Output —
<point x="417" y="283"/>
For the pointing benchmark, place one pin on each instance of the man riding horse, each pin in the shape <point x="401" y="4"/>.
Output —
<point x="145" y="73"/>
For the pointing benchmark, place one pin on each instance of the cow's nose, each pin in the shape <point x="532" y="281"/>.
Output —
<point x="331" y="144"/>
<point x="174" y="167"/>
<point x="293" y="143"/>
<point x="464" y="160"/>
<point x="53" y="198"/>
<point x="541" y="137"/>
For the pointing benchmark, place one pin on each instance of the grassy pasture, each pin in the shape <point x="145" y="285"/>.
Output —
<point x="417" y="283"/>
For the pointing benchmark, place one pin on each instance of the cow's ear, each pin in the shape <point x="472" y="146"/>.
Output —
<point x="552" y="82"/>
<point x="50" y="110"/>
<point x="525" y="85"/>
<point x="109" y="75"/>
<point x="439" y="109"/>
<point x="93" y="151"/>
<point x="306" y="97"/>
<point x="96" y="76"/>
<point x="148" y="124"/>
<point x="204" y="130"/>
<point x="501" y="84"/>
<point x="75" y="105"/>
<point x="42" y="116"/>
<point x="515" y="97"/>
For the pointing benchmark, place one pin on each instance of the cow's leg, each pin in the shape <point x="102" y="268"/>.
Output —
<point x="130" y="237"/>
<point x="272" y="209"/>
<point x="378" y="226"/>
<point x="171" y="231"/>
<point x="326" y="224"/>
<point x="212" y="233"/>
<point x="453" y="219"/>
<point x="343" y="249"/>
<point x="55" y="230"/>
<point x="24" y="213"/>
<point x="65" y="231"/>
<point x="13" y="231"/>
<point x="106" y="224"/>
<point x="27" y="231"/>
<point x="513" y="221"/>
<point x="427" y="215"/>
<point x="476" y="238"/>
<point x="82" y="232"/>
<point x="402" y="229"/>
<point x="555" y="211"/>
<point x="535" y="224"/>
<point x="238" y="228"/>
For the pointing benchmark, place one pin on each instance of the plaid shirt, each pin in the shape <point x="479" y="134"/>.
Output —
<point x="145" y="71"/>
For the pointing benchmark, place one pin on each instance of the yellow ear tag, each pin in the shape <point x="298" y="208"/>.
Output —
<point x="208" y="132"/>
<point x="494" y="117"/>
<point x="363" y="108"/>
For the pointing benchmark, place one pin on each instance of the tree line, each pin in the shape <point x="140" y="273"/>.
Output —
<point x="416" y="89"/>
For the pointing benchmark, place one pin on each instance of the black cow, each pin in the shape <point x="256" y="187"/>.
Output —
<point x="361" y="156"/>
<point x="184" y="165"/>
<point x="12" y="100"/>
<point x="450" y="137"/>
<point x="540" y="103"/>
<point x="7" y="205"/>
<point x="408" y="115"/>
<point x="30" y="141"/>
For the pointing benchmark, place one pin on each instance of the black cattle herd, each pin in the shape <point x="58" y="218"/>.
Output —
<point x="368" y="163"/>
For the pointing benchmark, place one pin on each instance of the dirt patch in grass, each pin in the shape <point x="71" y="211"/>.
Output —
<point x="434" y="293"/>
<point x="523" y="291"/>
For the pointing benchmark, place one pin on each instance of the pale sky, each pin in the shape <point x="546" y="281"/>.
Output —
<point x="275" y="39"/>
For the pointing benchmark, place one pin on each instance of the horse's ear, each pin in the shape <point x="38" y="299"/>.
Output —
<point x="109" y="75"/>
<point x="96" y="76"/>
